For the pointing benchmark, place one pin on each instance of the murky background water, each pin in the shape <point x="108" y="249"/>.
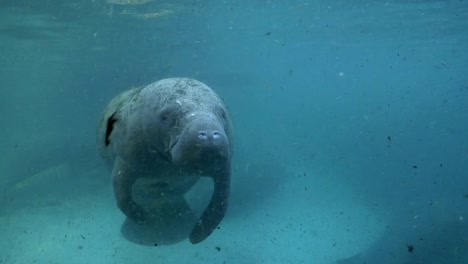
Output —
<point x="351" y="124"/>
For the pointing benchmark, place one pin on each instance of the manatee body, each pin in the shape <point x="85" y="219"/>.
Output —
<point x="166" y="136"/>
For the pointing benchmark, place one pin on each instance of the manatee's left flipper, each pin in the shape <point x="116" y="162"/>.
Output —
<point x="124" y="176"/>
<point x="216" y="210"/>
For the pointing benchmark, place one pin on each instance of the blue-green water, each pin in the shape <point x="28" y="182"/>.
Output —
<point x="350" y="117"/>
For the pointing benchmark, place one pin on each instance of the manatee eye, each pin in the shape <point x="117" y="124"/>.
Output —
<point x="223" y="114"/>
<point x="224" y="118"/>
<point x="110" y="126"/>
<point x="167" y="115"/>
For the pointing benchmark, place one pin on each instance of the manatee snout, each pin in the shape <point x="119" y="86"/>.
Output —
<point x="204" y="135"/>
<point x="202" y="142"/>
<point x="209" y="136"/>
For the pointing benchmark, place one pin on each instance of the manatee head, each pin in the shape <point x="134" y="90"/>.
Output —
<point x="195" y="137"/>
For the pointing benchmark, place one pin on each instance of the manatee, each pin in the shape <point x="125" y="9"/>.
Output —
<point x="166" y="136"/>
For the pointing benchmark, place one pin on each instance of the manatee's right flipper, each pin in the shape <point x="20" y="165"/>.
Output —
<point x="216" y="209"/>
<point x="123" y="179"/>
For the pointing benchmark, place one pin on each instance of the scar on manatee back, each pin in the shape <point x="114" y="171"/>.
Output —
<point x="110" y="126"/>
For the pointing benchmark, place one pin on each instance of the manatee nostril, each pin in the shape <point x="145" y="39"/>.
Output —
<point x="210" y="135"/>
<point x="216" y="135"/>
<point x="202" y="136"/>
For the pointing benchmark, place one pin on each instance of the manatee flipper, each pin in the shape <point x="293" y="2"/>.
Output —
<point x="215" y="210"/>
<point x="123" y="181"/>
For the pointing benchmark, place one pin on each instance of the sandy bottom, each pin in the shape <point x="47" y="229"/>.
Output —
<point x="304" y="221"/>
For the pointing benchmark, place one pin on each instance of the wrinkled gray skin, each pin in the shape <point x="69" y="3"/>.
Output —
<point x="169" y="134"/>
